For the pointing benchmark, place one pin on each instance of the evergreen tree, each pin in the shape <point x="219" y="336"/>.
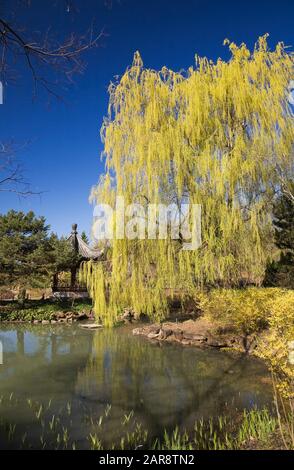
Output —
<point x="23" y="249"/>
<point x="84" y="237"/>
<point x="284" y="222"/>
<point x="29" y="255"/>
<point x="281" y="272"/>
<point x="62" y="256"/>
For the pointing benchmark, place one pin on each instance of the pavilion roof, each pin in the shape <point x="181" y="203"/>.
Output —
<point x="82" y="247"/>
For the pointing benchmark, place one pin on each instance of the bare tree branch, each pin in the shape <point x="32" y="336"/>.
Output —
<point x="285" y="178"/>
<point x="49" y="60"/>
<point x="12" y="178"/>
<point x="52" y="63"/>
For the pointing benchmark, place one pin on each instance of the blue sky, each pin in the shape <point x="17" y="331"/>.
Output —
<point x="63" y="157"/>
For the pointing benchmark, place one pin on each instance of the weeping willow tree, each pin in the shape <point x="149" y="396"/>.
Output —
<point x="218" y="135"/>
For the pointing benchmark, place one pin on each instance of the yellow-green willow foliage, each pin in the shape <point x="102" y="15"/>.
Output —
<point x="219" y="135"/>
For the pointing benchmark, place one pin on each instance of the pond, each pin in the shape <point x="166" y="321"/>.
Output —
<point x="67" y="381"/>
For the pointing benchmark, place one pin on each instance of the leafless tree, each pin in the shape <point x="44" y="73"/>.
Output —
<point x="50" y="61"/>
<point x="12" y="179"/>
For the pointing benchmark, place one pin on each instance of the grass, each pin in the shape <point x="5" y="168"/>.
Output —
<point x="51" y="426"/>
<point x="256" y="425"/>
<point x="220" y="434"/>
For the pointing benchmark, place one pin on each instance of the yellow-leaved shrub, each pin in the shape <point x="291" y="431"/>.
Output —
<point x="245" y="310"/>
<point x="282" y="314"/>
<point x="252" y="310"/>
<point x="275" y="348"/>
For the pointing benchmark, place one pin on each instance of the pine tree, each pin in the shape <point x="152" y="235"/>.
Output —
<point x="84" y="237"/>
<point x="23" y="249"/>
<point x="29" y="255"/>
<point x="281" y="273"/>
<point x="284" y="222"/>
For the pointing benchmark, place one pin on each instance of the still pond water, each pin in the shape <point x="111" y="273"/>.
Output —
<point x="74" y="376"/>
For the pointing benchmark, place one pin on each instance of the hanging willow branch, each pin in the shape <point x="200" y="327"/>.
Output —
<point x="216" y="135"/>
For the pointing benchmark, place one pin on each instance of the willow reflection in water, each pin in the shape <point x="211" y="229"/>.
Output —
<point x="164" y="385"/>
<point x="169" y="385"/>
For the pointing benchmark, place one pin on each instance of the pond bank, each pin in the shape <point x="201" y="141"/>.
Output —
<point x="199" y="332"/>
<point x="45" y="311"/>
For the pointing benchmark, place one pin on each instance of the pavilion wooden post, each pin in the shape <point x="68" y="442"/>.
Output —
<point x="73" y="277"/>
<point x="55" y="282"/>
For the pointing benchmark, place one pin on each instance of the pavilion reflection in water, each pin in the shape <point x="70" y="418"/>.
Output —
<point x="42" y="358"/>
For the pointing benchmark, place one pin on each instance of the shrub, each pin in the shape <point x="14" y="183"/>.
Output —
<point x="282" y="314"/>
<point x="245" y="310"/>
